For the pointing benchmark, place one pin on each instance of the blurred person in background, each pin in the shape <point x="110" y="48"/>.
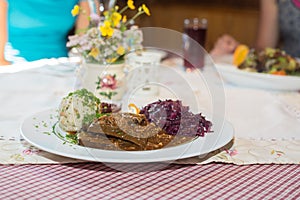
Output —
<point x="39" y="28"/>
<point x="279" y="27"/>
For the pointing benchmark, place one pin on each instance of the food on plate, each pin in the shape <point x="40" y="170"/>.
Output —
<point x="271" y="61"/>
<point x="157" y="125"/>
<point x="133" y="108"/>
<point x="240" y="54"/>
<point x="80" y="108"/>
<point x="105" y="108"/>
<point x="127" y="131"/>
<point x="176" y="119"/>
<point x="75" y="107"/>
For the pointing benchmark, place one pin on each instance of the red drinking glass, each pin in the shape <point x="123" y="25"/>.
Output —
<point x="194" y="38"/>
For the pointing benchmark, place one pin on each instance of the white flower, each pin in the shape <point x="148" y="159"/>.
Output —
<point x="93" y="32"/>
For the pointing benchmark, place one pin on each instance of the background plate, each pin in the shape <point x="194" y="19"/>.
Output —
<point x="257" y="80"/>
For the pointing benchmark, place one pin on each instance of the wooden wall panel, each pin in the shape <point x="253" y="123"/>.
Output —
<point x="227" y="17"/>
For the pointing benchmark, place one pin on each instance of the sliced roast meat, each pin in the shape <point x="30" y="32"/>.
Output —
<point x="100" y="141"/>
<point x="127" y="131"/>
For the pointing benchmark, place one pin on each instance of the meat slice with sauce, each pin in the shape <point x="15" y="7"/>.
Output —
<point x="127" y="131"/>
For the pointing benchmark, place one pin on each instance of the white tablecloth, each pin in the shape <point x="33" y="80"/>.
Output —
<point x="257" y="115"/>
<point x="23" y="93"/>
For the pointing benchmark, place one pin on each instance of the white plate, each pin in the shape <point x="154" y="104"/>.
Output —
<point x="39" y="130"/>
<point x="257" y="80"/>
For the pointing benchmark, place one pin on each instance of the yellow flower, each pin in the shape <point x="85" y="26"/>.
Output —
<point x="106" y="29"/>
<point x="121" y="50"/>
<point x="130" y="4"/>
<point x="75" y="10"/>
<point x="94" y="52"/>
<point x="105" y="13"/>
<point x="146" y="10"/>
<point x="124" y="20"/>
<point x="111" y="60"/>
<point x="116" y="18"/>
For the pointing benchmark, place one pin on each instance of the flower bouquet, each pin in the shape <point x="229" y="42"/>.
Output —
<point x="110" y="37"/>
<point x="103" y="46"/>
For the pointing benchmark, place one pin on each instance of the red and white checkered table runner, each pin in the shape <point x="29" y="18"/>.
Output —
<point x="148" y="181"/>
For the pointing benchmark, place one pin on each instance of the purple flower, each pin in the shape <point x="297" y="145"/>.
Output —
<point x="95" y="19"/>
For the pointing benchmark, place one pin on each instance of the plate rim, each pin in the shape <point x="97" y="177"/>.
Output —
<point x="59" y="144"/>
<point x="231" y="74"/>
<point x="232" y="68"/>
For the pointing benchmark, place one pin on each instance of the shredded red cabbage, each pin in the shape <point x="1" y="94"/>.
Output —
<point x="176" y="119"/>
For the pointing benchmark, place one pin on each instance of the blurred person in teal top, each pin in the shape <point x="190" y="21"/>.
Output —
<point x="39" y="28"/>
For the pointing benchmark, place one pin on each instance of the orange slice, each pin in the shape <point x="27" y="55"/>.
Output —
<point x="240" y="54"/>
<point x="133" y="108"/>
